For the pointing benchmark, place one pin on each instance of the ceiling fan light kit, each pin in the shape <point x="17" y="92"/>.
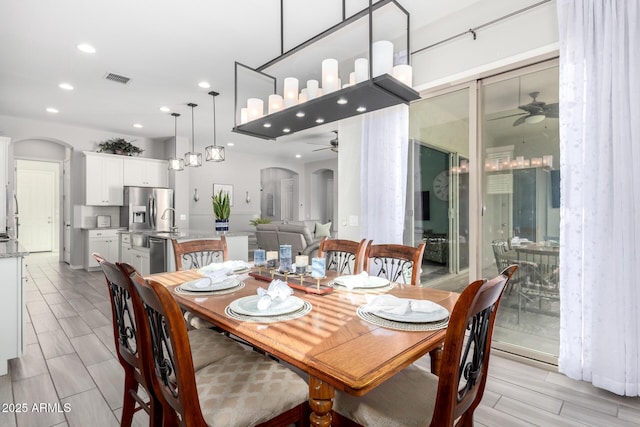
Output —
<point x="373" y="85"/>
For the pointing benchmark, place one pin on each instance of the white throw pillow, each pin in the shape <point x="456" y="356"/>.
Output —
<point x="323" y="230"/>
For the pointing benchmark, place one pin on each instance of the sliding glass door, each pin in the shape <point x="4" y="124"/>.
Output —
<point x="439" y="186"/>
<point x="519" y="144"/>
<point x="483" y="193"/>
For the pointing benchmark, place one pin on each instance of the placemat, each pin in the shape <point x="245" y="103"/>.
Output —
<point x="338" y="287"/>
<point x="306" y="308"/>
<point x="401" y="326"/>
<point x="179" y="290"/>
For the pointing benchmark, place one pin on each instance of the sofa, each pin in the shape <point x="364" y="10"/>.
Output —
<point x="436" y="248"/>
<point x="301" y="235"/>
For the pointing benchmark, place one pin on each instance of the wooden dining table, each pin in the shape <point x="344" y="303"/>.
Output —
<point x="331" y="343"/>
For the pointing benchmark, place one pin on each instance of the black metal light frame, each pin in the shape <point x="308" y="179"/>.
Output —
<point x="370" y="95"/>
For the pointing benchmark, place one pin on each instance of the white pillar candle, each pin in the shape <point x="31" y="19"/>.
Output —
<point x="361" y="72"/>
<point x="312" y="89"/>
<point x="272" y="258"/>
<point x="304" y="96"/>
<point x="275" y="103"/>
<point x="404" y="73"/>
<point x="301" y="264"/>
<point x="290" y="91"/>
<point x="382" y="58"/>
<point x="352" y="78"/>
<point x="244" y="118"/>
<point x="547" y="160"/>
<point x="330" y="75"/>
<point x="255" y="108"/>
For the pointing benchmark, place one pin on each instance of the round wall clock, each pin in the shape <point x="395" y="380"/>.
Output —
<point x="441" y="185"/>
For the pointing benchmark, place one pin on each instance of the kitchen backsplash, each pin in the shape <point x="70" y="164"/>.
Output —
<point x="86" y="216"/>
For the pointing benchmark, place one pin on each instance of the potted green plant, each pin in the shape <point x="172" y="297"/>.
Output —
<point x="119" y="146"/>
<point x="257" y="221"/>
<point x="221" y="210"/>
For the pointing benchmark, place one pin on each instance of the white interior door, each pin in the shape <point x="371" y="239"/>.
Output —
<point x="286" y="199"/>
<point x="36" y="191"/>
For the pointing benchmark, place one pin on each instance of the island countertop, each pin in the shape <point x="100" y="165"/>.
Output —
<point x="12" y="249"/>
<point x="187" y="234"/>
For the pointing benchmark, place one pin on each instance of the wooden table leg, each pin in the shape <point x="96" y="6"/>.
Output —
<point x="436" y="359"/>
<point x="321" y="401"/>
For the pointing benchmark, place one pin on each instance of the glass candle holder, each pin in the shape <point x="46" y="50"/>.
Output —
<point x="259" y="257"/>
<point x="318" y="268"/>
<point x="285" y="258"/>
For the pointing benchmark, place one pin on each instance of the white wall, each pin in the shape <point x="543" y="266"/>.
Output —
<point x="511" y="40"/>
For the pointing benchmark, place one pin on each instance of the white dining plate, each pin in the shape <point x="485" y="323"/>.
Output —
<point x="439" y="313"/>
<point x="249" y="306"/>
<point x="201" y="285"/>
<point x="370" y="282"/>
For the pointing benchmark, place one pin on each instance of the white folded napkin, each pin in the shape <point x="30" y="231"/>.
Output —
<point x="201" y="283"/>
<point x="277" y="290"/>
<point x="394" y="305"/>
<point x="230" y="265"/>
<point x="357" y="281"/>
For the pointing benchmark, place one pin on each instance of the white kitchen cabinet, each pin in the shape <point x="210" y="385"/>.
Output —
<point x="145" y="172"/>
<point x="140" y="260"/>
<point x="103" y="179"/>
<point x="104" y="242"/>
<point x="125" y="248"/>
<point x="12" y="306"/>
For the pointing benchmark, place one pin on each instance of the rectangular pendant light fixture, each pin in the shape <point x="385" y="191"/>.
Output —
<point x="192" y="158"/>
<point x="372" y="84"/>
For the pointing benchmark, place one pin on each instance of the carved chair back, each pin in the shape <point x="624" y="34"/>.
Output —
<point x="127" y="341"/>
<point x="500" y="247"/>
<point x="467" y="346"/>
<point x="394" y="261"/>
<point x="343" y="256"/>
<point x="198" y="253"/>
<point x="165" y="349"/>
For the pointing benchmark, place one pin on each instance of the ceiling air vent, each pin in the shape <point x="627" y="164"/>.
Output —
<point x="117" y="78"/>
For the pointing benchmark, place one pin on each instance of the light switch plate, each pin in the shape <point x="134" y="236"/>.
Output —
<point x="183" y="217"/>
<point x="353" y="220"/>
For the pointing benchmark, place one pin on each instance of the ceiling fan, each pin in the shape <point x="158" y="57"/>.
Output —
<point x="535" y="111"/>
<point x="333" y="144"/>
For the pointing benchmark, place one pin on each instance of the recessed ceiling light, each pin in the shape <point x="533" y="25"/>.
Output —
<point x="267" y="125"/>
<point x="137" y="125"/>
<point x="204" y="85"/>
<point x="230" y="144"/>
<point x="86" y="48"/>
<point x="165" y="109"/>
<point x="298" y="156"/>
<point x="65" y="86"/>
<point x="300" y="114"/>
<point x="319" y="120"/>
<point x="342" y="101"/>
<point x="52" y="110"/>
<point x="361" y="109"/>
<point x="286" y="130"/>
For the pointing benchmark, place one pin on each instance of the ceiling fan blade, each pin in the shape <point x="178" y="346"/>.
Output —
<point x="520" y="120"/>
<point x="325" y="148"/>
<point x="505" y="117"/>
<point x="552" y="110"/>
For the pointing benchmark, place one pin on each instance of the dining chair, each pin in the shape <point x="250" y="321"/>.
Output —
<point x="246" y="389"/>
<point x="207" y="346"/>
<point x="416" y="397"/>
<point x="126" y="342"/>
<point x="343" y="256"/>
<point x="394" y="262"/>
<point x="199" y="253"/>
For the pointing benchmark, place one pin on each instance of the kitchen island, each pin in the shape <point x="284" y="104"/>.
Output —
<point x="12" y="303"/>
<point x="160" y="251"/>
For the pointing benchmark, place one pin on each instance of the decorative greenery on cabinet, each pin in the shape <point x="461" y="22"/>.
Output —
<point x="118" y="146"/>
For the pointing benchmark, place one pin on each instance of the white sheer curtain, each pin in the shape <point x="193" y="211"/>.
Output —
<point x="385" y="142"/>
<point x="600" y="187"/>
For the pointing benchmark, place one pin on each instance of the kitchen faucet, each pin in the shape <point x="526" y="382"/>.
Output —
<point x="173" y="227"/>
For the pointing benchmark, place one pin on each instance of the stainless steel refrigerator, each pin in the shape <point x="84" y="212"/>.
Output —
<point x="147" y="208"/>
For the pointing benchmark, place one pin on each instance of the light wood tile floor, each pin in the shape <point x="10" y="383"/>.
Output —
<point x="70" y="375"/>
